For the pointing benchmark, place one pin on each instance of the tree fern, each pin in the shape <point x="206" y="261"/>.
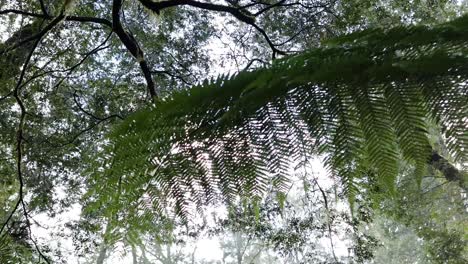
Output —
<point x="363" y="101"/>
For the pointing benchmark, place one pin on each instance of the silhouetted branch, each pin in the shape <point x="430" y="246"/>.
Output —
<point x="43" y="8"/>
<point x="19" y="144"/>
<point x="236" y="12"/>
<point x="132" y="46"/>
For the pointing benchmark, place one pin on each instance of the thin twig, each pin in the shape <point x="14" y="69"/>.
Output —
<point x="325" y="200"/>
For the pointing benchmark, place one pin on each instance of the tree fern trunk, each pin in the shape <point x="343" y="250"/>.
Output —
<point x="134" y="255"/>
<point x="102" y="254"/>
<point x="450" y="172"/>
<point x="103" y="247"/>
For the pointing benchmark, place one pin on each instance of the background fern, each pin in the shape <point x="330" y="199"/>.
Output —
<point x="363" y="101"/>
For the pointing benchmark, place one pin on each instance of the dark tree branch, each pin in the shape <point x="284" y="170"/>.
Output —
<point x="84" y="131"/>
<point x="43" y="8"/>
<point x="19" y="134"/>
<point x="168" y="73"/>
<point x="69" y="71"/>
<point x="293" y="36"/>
<point x="132" y="46"/>
<point x="236" y="12"/>
<point x="72" y="68"/>
<point x="252" y="61"/>
<point x="19" y="145"/>
<point x="21" y="12"/>
<point x="75" y="99"/>
<point x="330" y="233"/>
<point x="253" y="3"/>
<point x="304" y="28"/>
<point x="280" y="3"/>
<point x="270" y="43"/>
<point x="5" y="224"/>
<point x="158" y="6"/>
<point x="435" y="187"/>
<point x="84" y="19"/>
<point x="5" y="97"/>
<point x="75" y="137"/>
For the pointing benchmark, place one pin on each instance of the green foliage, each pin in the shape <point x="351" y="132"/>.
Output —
<point x="364" y="101"/>
<point x="357" y="14"/>
<point x="446" y="247"/>
<point x="235" y="135"/>
<point x="423" y="223"/>
<point x="14" y="247"/>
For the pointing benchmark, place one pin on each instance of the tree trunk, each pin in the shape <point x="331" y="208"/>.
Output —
<point x="238" y="248"/>
<point x="134" y="255"/>
<point x="102" y="254"/>
<point x="450" y="172"/>
<point x="193" y="254"/>
<point x="103" y="247"/>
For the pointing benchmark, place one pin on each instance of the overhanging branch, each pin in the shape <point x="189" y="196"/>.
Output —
<point x="236" y="12"/>
<point x="132" y="46"/>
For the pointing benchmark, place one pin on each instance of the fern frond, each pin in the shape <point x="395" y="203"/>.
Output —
<point x="363" y="101"/>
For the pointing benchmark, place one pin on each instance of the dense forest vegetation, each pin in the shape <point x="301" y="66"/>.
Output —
<point x="233" y="131"/>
